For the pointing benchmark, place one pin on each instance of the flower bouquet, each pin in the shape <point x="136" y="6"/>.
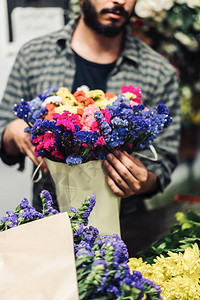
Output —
<point x="172" y="28"/>
<point x="100" y="262"/>
<point x="76" y="132"/>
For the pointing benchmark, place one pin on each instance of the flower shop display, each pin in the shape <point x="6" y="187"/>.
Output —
<point x="173" y="261"/>
<point x="103" y="268"/>
<point x="75" y="132"/>
<point x="172" y="27"/>
<point x="178" y="274"/>
<point x="101" y="261"/>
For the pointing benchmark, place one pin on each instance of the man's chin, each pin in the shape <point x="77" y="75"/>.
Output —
<point x="108" y="29"/>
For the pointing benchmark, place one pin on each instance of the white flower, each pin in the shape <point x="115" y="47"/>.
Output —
<point x="188" y="41"/>
<point x="152" y="8"/>
<point x="190" y="3"/>
<point x="52" y="99"/>
<point x="181" y="1"/>
<point x="83" y="88"/>
<point x="193" y="3"/>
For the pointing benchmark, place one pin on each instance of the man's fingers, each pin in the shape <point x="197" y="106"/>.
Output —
<point x="113" y="187"/>
<point x="116" y="178"/>
<point x="133" y="165"/>
<point x="44" y="166"/>
<point x="133" y="158"/>
<point x="121" y="168"/>
<point x="28" y="149"/>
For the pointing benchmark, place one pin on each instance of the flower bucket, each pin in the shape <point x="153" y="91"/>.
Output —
<point x="75" y="183"/>
<point x="37" y="261"/>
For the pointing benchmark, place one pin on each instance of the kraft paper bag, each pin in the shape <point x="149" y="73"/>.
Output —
<point x="37" y="261"/>
<point x="75" y="183"/>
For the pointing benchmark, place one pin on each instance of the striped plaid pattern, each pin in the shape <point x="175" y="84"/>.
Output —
<point x="49" y="62"/>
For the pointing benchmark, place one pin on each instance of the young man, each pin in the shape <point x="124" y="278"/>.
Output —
<point x="96" y="50"/>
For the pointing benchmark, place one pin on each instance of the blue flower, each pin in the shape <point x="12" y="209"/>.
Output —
<point x="22" y="110"/>
<point x="35" y="104"/>
<point x="47" y="93"/>
<point x="86" y="137"/>
<point x="74" y="160"/>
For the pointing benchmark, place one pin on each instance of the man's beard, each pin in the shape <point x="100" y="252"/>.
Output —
<point x="91" y="19"/>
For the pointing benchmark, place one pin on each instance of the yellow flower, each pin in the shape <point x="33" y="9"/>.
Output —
<point x="178" y="274"/>
<point x="180" y="288"/>
<point x="67" y="96"/>
<point x="95" y="94"/>
<point x="129" y="95"/>
<point x="181" y="218"/>
<point x="191" y="262"/>
<point x="101" y="103"/>
<point x="68" y="107"/>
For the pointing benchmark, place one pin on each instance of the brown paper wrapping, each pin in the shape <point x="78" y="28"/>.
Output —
<point x="37" y="261"/>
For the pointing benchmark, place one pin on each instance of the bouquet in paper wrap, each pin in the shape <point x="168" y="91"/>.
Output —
<point x="78" y="130"/>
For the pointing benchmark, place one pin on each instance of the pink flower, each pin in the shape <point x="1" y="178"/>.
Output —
<point x="88" y="117"/>
<point x="84" y="145"/>
<point x="106" y="115"/>
<point x="100" y="141"/>
<point x="95" y="126"/>
<point x="49" y="141"/>
<point x="67" y="120"/>
<point x="134" y="90"/>
<point x="58" y="154"/>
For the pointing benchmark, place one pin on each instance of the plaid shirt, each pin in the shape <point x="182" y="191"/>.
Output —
<point x="49" y="61"/>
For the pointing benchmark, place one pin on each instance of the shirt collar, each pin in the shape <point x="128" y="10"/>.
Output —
<point x="64" y="36"/>
<point x="131" y="47"/>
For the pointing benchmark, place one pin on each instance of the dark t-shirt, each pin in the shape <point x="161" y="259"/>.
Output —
<point x="91" y="74"/>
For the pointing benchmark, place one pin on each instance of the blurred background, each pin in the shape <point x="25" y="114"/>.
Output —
<point x="174" y="32"/>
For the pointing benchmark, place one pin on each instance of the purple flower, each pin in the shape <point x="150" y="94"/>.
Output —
<point x="47" y="197"/>
<point x="90" y="235"/>
<point x="91" y="201"/>
<point x="29" y="214"/>
<point x="24" y="203"/>
<point x="4" y="219"/>
<point x="12" y="219"/>
<point x="78" y="231"/>
<point x="73" y="209"/>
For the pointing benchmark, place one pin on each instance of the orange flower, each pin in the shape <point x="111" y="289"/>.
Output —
<point x="80" y="96"/>
<point x="51" y="110"/>
<point x="109" y="95"/>
<point x="89" y="101"/>
<point x="80" y="111"/>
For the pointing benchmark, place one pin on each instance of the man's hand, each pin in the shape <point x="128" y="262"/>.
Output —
<point x="127" y="176"/>
<point x="16" y="142"/>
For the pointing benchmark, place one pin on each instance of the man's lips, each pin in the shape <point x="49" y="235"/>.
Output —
<point x="116" y="12"/>
<point x="115" y="15"/>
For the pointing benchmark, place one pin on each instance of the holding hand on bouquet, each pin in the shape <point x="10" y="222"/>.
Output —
<point x="17" y="142"/>
<point x="126" y="175"/>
